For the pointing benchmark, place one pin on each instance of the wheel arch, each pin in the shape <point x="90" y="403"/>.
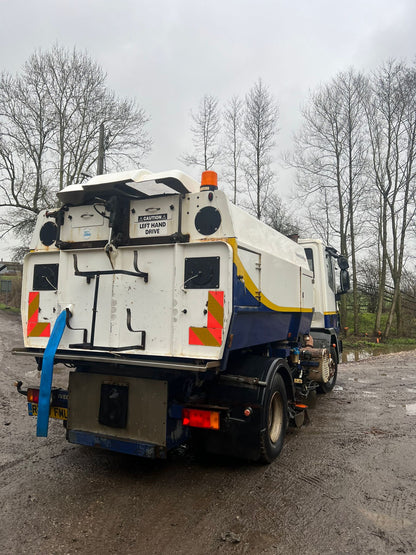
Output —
<point x="246" y="384"/>
<point x="264" y="369"/>
<point x="280" y="366"/>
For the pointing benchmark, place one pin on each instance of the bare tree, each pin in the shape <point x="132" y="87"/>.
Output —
<point x="233" y="143"/>
<point x="331" y="156"/>
<point x="391" y="113"/>
<point x="320" y="218"/>
<point x="260" y="129"/>
<point x="205" y="131"/>
<point x="278" y="216"/>
<point x="50" y="116"/>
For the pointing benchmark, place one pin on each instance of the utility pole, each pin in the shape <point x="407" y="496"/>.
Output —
<point x="101" y="151"/>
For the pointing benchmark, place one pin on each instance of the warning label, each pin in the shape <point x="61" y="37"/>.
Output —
<point x="153" y="224"/>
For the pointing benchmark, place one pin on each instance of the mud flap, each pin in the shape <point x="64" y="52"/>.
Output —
<point x="47" y="373"/>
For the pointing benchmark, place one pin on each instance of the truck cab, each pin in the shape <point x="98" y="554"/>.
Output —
<point x="330" y="280"/>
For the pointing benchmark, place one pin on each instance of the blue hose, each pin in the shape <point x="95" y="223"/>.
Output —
<point x="47" y="373"/>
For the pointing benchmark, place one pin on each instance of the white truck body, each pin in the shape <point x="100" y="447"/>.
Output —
<point x="179" y="306"/>
<point x="164" y="307"/>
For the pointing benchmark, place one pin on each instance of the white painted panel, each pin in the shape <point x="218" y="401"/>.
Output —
<point x="190" y="305"/>
<point x="85" y="223"/>
<point x="252" y="264"/>
<point x="155" y="217"/>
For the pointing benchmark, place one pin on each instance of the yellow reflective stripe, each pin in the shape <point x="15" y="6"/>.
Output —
<point x="38" y="330"/>
<point x="33" y="305"/>
<point x="252" y="288"/>
<point x="205" y="337"/>
<point x="215" y="309"/>
<point x="35" y="328"/>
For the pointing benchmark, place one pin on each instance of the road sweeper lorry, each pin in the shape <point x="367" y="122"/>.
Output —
<point x="182" y="318"/>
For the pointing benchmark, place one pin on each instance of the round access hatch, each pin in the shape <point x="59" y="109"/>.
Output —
<point x="208" y="220"/>
<point x="47" y="233"/>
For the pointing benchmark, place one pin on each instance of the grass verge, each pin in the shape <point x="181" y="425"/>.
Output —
<point x="9" y="308"/>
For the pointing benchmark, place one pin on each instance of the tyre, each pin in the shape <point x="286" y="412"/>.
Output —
<point x="274" y="420"/>
<point x="333" y="370"/>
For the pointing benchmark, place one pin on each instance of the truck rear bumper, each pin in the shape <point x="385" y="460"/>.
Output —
<point x="137" y="448"/>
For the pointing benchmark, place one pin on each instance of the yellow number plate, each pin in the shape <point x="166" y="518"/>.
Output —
<point x="61" y="413"/>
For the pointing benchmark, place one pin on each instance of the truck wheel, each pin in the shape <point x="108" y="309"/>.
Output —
<point x="274" y="420"/>
<point x="329" y="385"/>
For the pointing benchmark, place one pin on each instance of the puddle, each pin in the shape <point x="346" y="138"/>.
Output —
<point x="411" y="409"/>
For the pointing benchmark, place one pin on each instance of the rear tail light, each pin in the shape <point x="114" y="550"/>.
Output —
<point x="197" y="418"/>
<point x="33" y="395"/>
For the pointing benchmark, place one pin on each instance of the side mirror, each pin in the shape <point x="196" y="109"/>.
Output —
<point x="344" y="284"/>
<point x="344" y="281"/>
<point x="343" y="263"/>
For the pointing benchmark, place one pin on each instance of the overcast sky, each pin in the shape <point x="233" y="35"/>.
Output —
<point x="168" y="53"/>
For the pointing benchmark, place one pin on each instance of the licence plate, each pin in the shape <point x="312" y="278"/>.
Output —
<point x="61" y="413"/>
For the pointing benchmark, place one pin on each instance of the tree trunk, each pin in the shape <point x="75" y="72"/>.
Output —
<point x="399" y="316"/>
<point x="391" y="313"/>
<point x="383" y="265"/>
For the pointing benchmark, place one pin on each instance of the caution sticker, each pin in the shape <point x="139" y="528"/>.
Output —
<point x="152" y="224"/>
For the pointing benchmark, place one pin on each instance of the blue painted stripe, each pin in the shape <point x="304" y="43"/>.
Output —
<point x="332" y="321"/>
<point x="251" y="328"/>
<point x="253" y="323"/>
<point x="47" y="373"/>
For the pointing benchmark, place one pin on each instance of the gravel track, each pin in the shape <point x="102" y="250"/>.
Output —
<point x="344" y="483"/>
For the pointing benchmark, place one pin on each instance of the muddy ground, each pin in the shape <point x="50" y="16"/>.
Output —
<point x="345" y="483"/>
